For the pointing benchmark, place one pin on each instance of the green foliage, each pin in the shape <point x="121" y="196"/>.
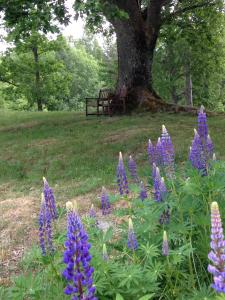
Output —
<point x="143" y="274"/>
<point x="196" y="43"/>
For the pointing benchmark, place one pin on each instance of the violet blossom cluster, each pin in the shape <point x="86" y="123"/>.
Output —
<point x="45" y="228"/>
<point x="105" y="203"/>
<point x="132" y="166"/>
<point x="78" y="271"/>
<point x="122" y="177"/>
<point x="167" y="152"/>
<point x="159" y="187"/>
<point x="201" y="150"/>
<point x="131" y="240"/>
<point x="143" y="193"/>
<point x="217" y="253"/>
<point x="49" y="199"/>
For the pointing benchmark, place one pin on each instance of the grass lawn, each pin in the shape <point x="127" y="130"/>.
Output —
<point x="77" y="155"/>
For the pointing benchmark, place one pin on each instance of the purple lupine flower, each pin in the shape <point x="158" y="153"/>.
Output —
<point x="158" y="152"/>
<point x="143" y="192"/>
<point x="197" y="155"/>
<point x="105" y="203"/>
<point x="133" y="169"/>
<point x="92" y="213"/>
<point x="209" y="147"/>
<point x="167" y="152"/>
<point x="131" y="241"/>
<point x="202" y="125"/>
<point x="78" y="271"/>
<point x="151" y="152"/>
<point x="42" y="226"/>
<point x="122" y="177"/>
<point x="45" y="228"/>
<point x="165" y="245"/>
<point x="50" y="199"/>
<point x="156" y="184"/>
<point x="165" y="217"/>
<point x="105" y="253"/>
<point x="217" y="253"/>
<point x="162" y="187"/>
<point x="153" y="171"/>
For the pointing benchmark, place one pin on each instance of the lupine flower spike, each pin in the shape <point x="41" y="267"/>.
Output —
<point x="78" y="271"/>
<point x="196" y="155"/>
<point x="105" y="204"/>
<point x="151" y="152"/>
<point x="159" y="187"/>
<point x="143" y="192"/>
<point x="217" y="253"/>
<point x="133" y="169"/>
<point x="202" y="124"/>
<point x="165" y="245"/>
<point x="132" y="241"/>
<point x="167" y="152"/>
<point x="49" y="199"/>
<point x="45" y="228"/>
<point x="158" y="152"/>
<point x="92" y="213"/>
<point x="104" y="253"/>
<point x="122" y="177"/>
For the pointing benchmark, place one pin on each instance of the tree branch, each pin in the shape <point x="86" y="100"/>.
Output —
<point x="7" y="81"/>
<point x="187" y="9"/>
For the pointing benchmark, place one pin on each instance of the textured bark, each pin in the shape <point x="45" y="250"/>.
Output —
<point x="37" y="79"/>
<point x="136" y="42"/>
<point x="188" y="87"/>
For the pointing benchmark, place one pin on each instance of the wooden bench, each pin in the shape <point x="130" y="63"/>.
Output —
<point x="106" y="104"/>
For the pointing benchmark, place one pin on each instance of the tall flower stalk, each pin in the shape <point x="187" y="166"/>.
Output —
<point x="50" y="199"/>
<point x="217" y="253"/>
<point x="167" y="152"/>
<point x="165" y="245"/>
<point x="105" y="203"/>
<point x="131" y="240"/>
<point x="45" y="228"/>
<point x="78" y="271"/>
<point x="143" y="192"/>
<point x="159" y="187"/>
<point x="151" y="152"/>
<point x="122" y="177"/>
<point x="132" y="166"/>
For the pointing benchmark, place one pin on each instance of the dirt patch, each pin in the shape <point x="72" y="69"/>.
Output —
<point x="17" y="232"/>
<point x="43" y="142"/>
<point x="121" y="136"/>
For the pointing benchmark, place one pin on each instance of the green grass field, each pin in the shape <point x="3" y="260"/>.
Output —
<point x="78" y="154"/>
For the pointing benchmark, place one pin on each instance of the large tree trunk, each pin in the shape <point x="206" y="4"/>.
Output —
<point x="136" y="42"/>
<point x="37" y="79"/>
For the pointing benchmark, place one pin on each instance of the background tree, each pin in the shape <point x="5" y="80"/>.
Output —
<point x="29" y="22"/>
<point x="137" y="25"/>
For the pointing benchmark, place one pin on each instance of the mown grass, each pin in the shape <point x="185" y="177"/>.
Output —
<point x="79" y="154"/>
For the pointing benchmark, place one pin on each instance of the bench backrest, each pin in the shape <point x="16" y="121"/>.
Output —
<point x="105" y="93"/>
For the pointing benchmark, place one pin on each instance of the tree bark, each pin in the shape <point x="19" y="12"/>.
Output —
<point x="188" y="85"/>
<point x="37" y="79"/>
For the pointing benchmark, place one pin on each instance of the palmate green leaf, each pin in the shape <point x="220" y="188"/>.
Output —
<point x="119" y="297"/>
<point x="108" y="235"/>
<point x="149" y="251"/>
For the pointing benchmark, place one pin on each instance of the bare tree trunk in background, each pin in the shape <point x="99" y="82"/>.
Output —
<point x="37" y="79"/>
<point x="188" y="85"/>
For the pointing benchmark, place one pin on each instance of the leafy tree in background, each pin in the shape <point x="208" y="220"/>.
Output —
<point x="17" y="69"/>
<point x="190" y="58"/>
<point x="28" y="22"/>
<point x="137" y="25"/>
